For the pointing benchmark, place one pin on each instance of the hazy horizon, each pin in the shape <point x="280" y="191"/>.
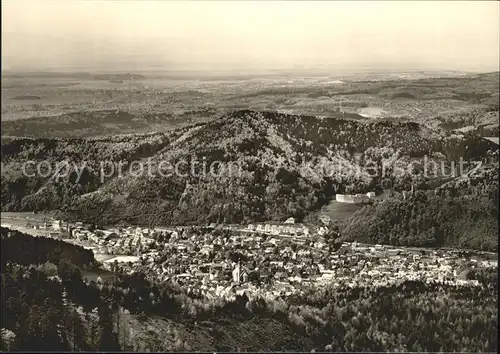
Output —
<point x="244" y="35"/>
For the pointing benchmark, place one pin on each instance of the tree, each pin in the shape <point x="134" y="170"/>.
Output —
<point x="108" y="340"/>
<point x="77" y="331"/>
<point x="68" y="272"/>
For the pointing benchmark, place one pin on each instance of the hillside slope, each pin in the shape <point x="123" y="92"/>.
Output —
<point x="258" y="166"/>
<point x="461" y="213"/>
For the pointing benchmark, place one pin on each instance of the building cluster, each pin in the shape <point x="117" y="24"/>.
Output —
<point x="219" y="263"/>
<point x="264" y="259"/>
<point x="280" y="229"/>
<point x="119" y="241"/>
<point x="355" y="198"/>
<point x="268" y="260"/>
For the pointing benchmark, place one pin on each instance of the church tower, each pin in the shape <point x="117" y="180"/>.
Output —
<point x="236" y="273"/>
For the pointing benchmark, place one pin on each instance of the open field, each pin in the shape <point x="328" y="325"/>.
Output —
<point x="495" y="139"/>
<point x="103" y="257"/>
<point x="40" y="217"/>
<point x="121" y="259"/>
<point x="339" y="211"/>
<point x="94" y="274"/>
<point x="25" y="221"/>
<point x="65" y="105"/>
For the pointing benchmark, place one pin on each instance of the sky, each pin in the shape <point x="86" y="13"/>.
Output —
<point x="461" y="35"/>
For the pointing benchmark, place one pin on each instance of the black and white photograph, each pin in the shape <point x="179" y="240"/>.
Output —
<point x="249" y="176"/>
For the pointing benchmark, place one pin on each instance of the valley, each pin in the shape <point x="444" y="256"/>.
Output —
<point x="185" y="212"/>
<point x="249" y="176"/>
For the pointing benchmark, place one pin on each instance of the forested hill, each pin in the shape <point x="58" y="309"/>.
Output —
<point x="270" y="166"/>
<point x="462" y="213"/>
<point x="24" y="249"/>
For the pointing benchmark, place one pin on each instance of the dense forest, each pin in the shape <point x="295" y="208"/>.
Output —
<point x="268" y="166"/>
<point x="43" y="312"/>
<point x="463" y="213"/>
<point x="25" y="250"/>
<point x="68" y="167"/>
